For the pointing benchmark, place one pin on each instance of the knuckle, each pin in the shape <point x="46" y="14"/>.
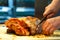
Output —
<point x="46" y="7"/>
<point x="48" y="20"/>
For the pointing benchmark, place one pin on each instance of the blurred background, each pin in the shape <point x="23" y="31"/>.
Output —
<point x="16" y="8"/>
<point x="21" y="8"/>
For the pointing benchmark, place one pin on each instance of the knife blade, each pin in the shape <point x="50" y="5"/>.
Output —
<point x="40" y="25"/>
<point x="44" y="18"/>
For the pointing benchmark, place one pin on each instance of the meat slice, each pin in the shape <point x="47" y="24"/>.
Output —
<point x="23" y="26"/>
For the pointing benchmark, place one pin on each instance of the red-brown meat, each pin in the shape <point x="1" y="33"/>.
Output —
<point x="23" y="26"/>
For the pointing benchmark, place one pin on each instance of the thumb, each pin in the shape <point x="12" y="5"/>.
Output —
<point x="47" y="12"/>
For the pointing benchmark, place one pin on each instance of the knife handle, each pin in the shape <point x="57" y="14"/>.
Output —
<point x="44" y="18"/>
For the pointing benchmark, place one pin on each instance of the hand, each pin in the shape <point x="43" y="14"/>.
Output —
<point x="52" y="8"/>
<point x="50" y="25"/>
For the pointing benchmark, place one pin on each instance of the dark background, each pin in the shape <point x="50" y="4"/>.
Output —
<point x="22" y="8"/>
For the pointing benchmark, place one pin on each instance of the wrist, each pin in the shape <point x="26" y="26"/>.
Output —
<point x="55" y="0"/>
<point x="56" y="3"/>
<point x="58" y="19"/>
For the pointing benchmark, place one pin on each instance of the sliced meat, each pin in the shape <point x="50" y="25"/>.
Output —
<point x="22" y="26"/>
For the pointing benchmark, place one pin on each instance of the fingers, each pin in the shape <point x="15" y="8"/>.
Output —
<point x="52" y="30"/>
<point x="45" y="25"/>
<point x="48" y="28"/>
<point x="51" y="15"/>
<point x="47" y="12"/>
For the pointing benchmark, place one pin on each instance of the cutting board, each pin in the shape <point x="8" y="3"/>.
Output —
<point x="6" y="36"/>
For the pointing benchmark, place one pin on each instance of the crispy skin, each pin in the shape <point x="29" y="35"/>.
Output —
<point x="17" y="25"/>
<point x="22" y="26"/>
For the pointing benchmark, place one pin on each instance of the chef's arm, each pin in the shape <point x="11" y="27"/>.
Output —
<point x="52" y="8"/>
<point x="50" y="25"/>
<point x="56" y="2"/>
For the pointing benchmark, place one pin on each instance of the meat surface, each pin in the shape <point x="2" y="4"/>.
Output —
<point x="23" y="26"/>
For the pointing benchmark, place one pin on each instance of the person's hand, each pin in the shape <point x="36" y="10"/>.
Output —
<point x="52" y="8"/>
<point x="50" y="25"/>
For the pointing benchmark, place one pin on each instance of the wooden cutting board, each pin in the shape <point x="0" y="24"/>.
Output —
<point x="5" y="36"/>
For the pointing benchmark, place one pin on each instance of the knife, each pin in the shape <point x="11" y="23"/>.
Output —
<point x="43" y="19"/>
<point x="40" y="24"/>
